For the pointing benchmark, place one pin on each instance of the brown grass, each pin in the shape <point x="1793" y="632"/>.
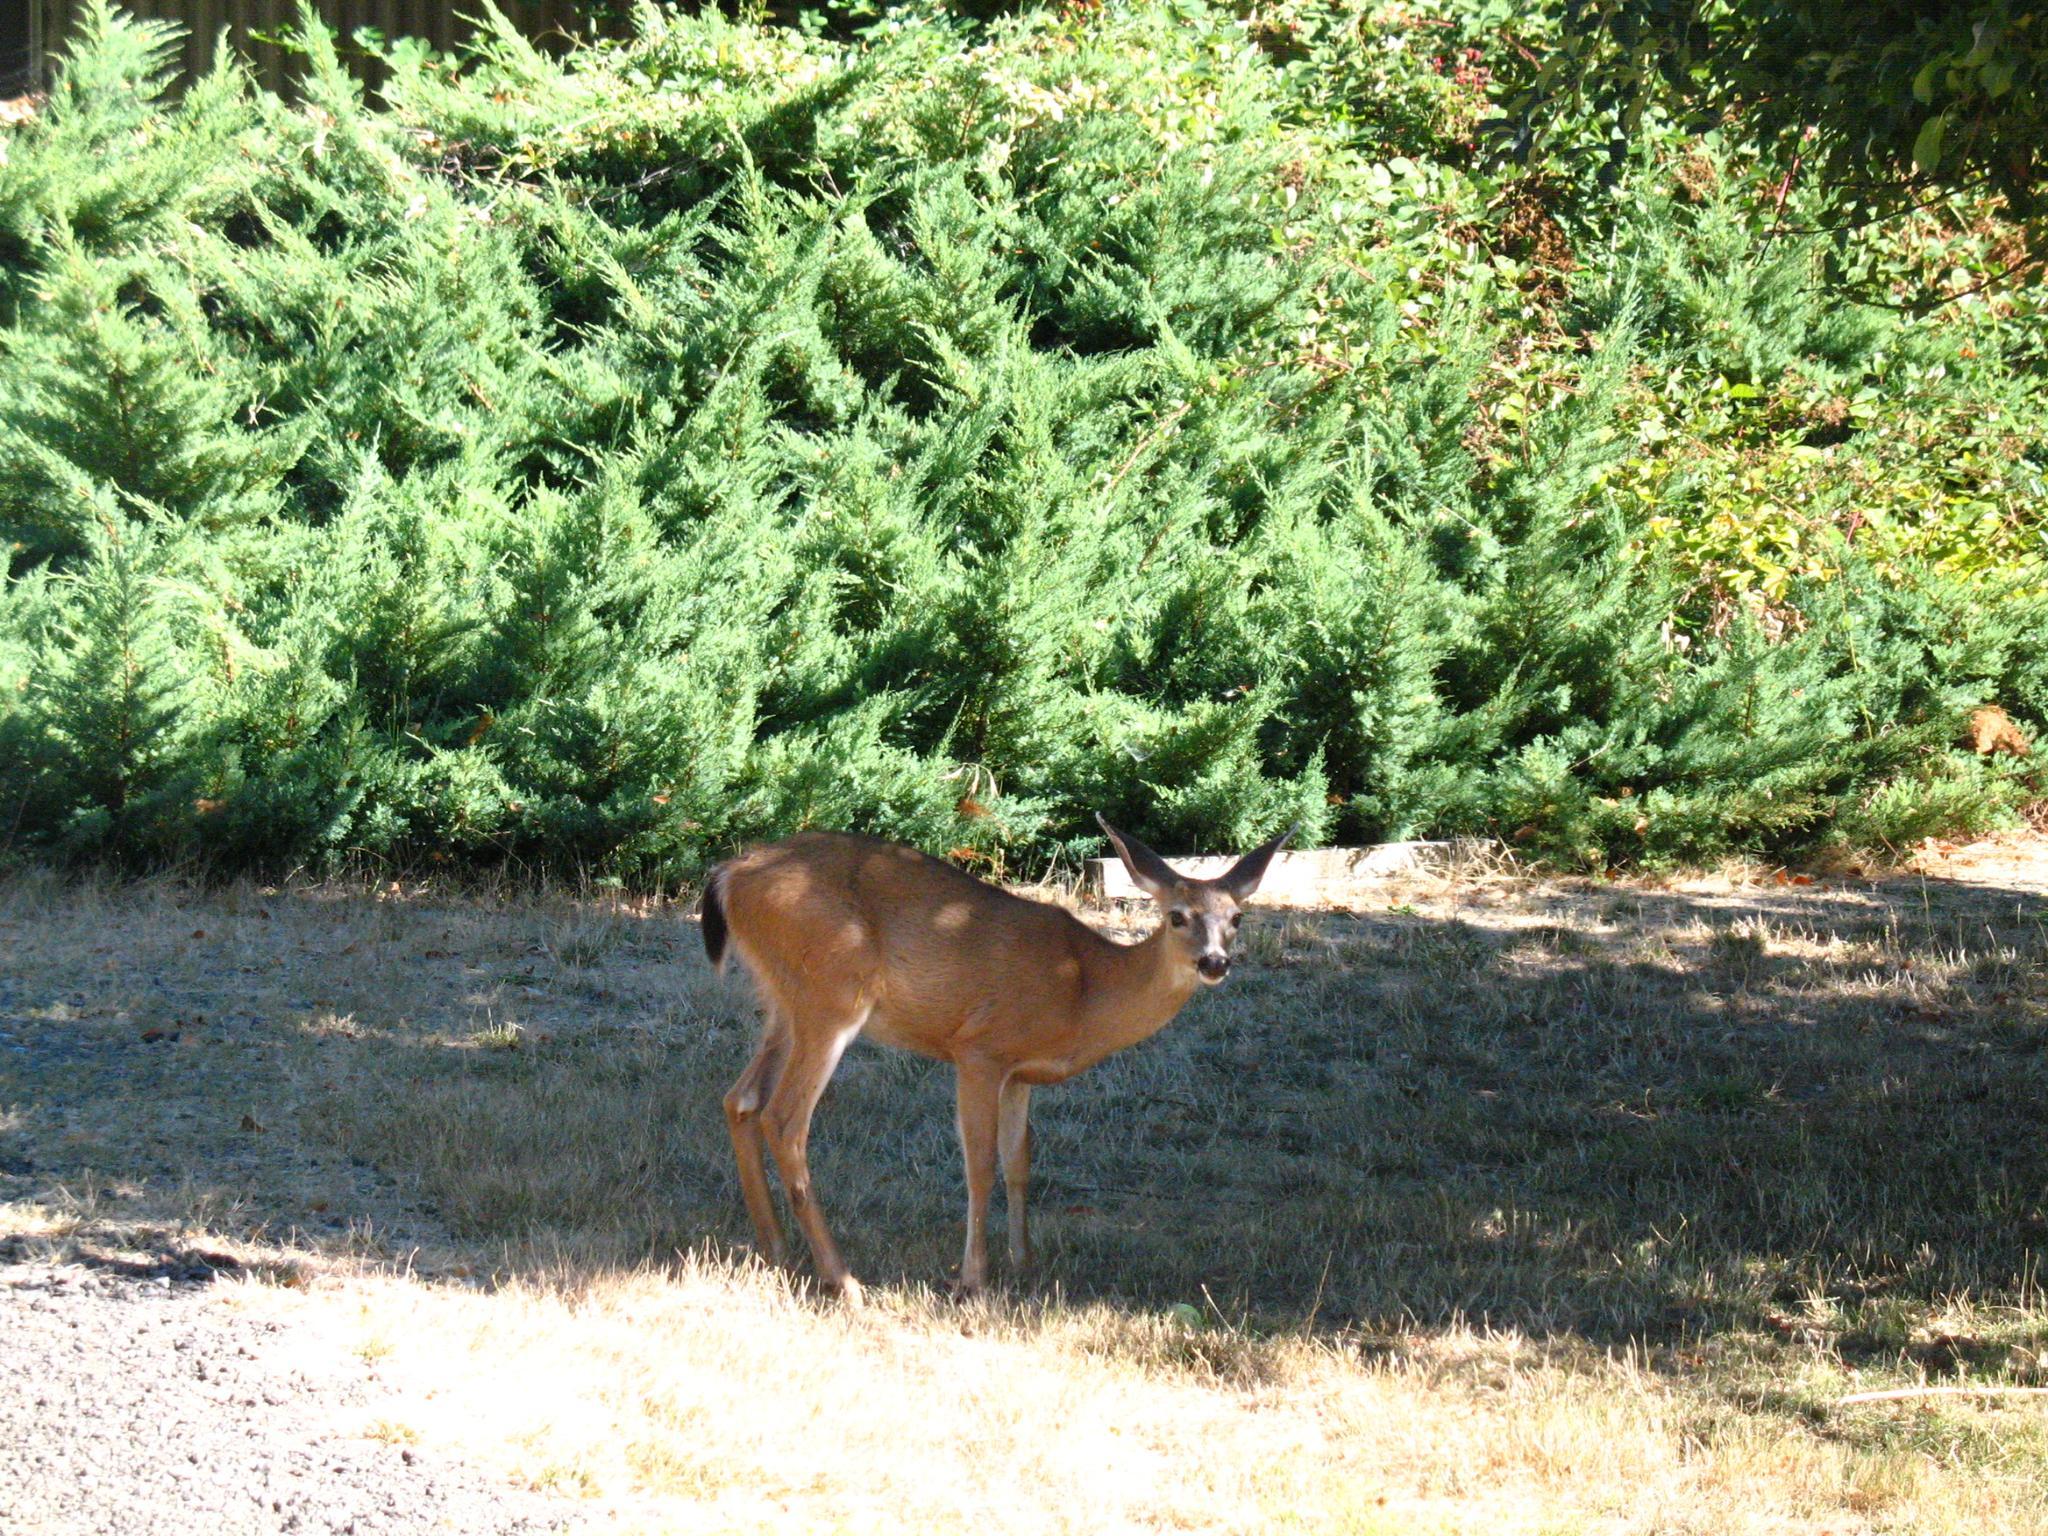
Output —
<point x="1492" y="1205"/>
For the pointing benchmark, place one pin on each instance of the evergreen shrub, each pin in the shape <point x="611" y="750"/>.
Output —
<point x="595" y="463"/>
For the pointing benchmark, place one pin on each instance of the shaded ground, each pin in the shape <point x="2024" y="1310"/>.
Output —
<point x="1772" y="1139"/>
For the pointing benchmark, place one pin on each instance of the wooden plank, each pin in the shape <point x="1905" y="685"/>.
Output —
<point x="48" y="25"/>
<point x="204" y="22"/>
<point x="52" y="36"/>
<point x="1299" y="877"/>
<point x="21" y="53"/>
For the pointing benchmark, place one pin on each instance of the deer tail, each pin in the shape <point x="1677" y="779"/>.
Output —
<point x="713" y="910"/>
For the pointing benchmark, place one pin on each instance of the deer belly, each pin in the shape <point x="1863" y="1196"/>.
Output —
<point x="908" y="1032"/>
<point x="1043" y="1073"/>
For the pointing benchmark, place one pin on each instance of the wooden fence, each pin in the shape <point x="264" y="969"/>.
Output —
<point x="248" y="23"/>
<point x="20" y="47"/>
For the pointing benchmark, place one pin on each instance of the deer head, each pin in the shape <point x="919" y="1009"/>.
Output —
<point x="1201" y="915"/>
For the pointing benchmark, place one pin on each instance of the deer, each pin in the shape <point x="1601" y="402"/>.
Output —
<point x="845" y="935"/>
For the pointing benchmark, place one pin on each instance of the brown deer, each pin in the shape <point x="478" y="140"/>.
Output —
<point x="843" y="934"/>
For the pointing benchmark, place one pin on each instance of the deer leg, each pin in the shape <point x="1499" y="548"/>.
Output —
<point x="1013" y="1142"/>
<point x="814" y="1051"/>
<point x="743" y="1119"/>
<point x="975" y="1113"/>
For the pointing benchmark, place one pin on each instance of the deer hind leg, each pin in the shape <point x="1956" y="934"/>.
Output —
<point x="816" y="1042"/>
<point x="743" y="1105"/>
<point x="1013" y="1142"/>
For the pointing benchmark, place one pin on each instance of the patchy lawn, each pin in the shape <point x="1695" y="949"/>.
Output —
<point x="1493" y="1204"/>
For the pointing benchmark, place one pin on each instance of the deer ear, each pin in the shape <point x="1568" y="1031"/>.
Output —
<point x="1243" y="877"/>
<point x="1154" y="876"/>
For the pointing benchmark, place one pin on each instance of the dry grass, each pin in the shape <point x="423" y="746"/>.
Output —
<point x="1492" y="1205"/>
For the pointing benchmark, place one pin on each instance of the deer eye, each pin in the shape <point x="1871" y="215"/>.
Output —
<point x="1178" y="918"/>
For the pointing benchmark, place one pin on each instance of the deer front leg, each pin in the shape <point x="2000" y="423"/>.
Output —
<point x="1013" y="1141"/>
<point x="978" y="1089"/>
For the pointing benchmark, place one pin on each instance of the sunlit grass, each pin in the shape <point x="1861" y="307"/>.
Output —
<point x="1493" y="1205"/>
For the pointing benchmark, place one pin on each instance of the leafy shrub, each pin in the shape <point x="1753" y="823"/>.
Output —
<point x="595" y="463"/>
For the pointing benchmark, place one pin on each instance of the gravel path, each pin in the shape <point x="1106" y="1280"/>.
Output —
<point x="154" y="1140"/>
<point x="141" y="1402"/>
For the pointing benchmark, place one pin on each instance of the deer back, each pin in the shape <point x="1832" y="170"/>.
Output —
<point x="926" y="953"/>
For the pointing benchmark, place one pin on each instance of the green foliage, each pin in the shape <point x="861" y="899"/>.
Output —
<point x="105" y="723"/>
<point x="1895" y="97"/>
<point x="107" y="390"/>
<point x="596" y="463"/>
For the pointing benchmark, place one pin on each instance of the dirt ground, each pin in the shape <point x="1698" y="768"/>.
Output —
<point x="294" y="1182"/>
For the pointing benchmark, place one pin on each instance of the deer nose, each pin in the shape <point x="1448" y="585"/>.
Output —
<point x="1213" y="967"/>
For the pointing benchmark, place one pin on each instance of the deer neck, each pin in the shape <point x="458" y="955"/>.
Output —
<point x="1134" y="991"/>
